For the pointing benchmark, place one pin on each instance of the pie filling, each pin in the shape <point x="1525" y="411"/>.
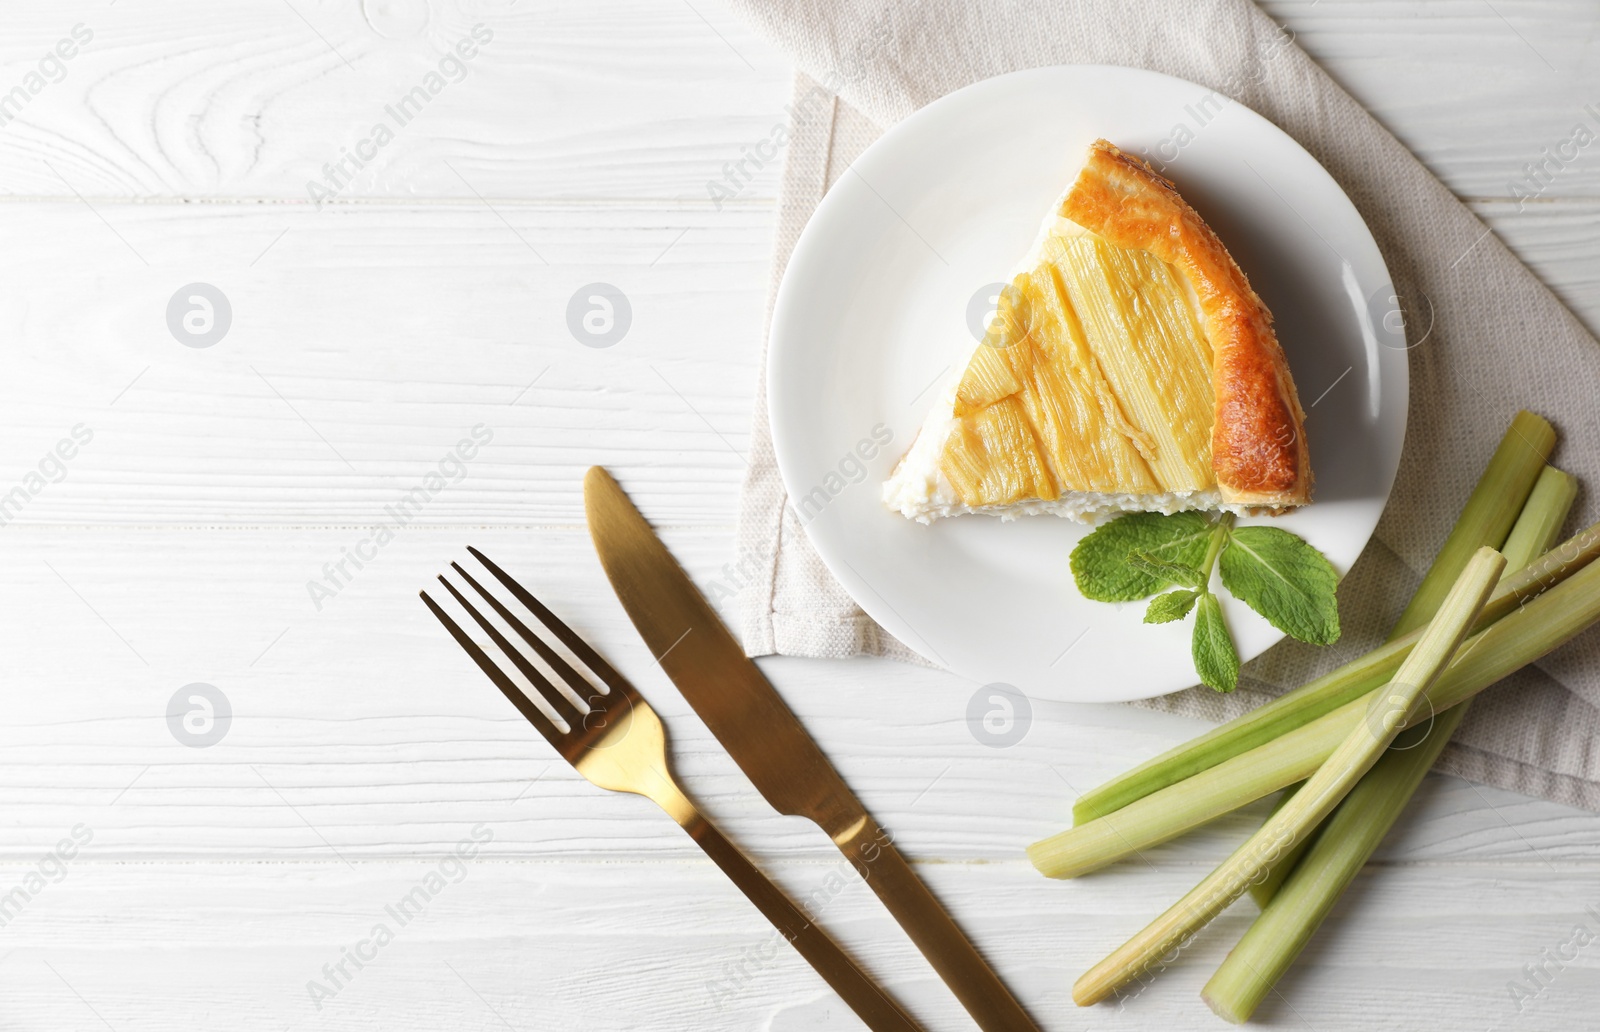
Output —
<point x="1094" y="378"/>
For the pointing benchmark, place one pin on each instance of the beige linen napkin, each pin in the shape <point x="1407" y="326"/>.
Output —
<point x="1499" y="341"/>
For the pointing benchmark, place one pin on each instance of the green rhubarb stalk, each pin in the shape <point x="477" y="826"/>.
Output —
<point x="1295" y="903"/>
<point x="1527" y="632"/>
<point x="1264" y="888"/>
<point x="1283" y="929"/>
<point x="1489" y="514"/>
<point x="1533" y="535"/>
<point x="1354" y="755"/>
<point x="1486" y="520"/>
<point x="1326" y="694"/>
<point x="1542" y="518"/>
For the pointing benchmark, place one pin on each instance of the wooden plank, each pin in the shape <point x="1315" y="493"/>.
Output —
<point x="615" y="99"/>
<point x="368" y="340"/>
<point x="366" y="343"/>
<point x="1475" y="90"/>
<point x="668" y="98"/>
<point x="560" y="946"/>
<point x="360" y="730"/>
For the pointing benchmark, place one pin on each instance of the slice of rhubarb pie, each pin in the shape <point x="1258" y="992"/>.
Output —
<point x="1129" y="367"/>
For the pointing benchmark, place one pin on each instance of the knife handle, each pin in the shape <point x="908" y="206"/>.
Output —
<point x="870" y="1003"/>
<point x="871" y="850"/>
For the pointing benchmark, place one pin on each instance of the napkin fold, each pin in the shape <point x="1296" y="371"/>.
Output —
<point x="1487" y="338"/>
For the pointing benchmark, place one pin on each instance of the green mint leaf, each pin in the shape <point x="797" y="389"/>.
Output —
<point x="1285" y="580"/>
<point x="1100" y="561"/>
<point x="1174" y="605"/>
<point x="1162" y="569"/>
<point x="1215" y="659"/>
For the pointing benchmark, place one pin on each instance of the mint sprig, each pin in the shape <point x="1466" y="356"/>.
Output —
<point x="1174" y="605"/>
<point x="1269" y="569"/>
<point x="1166" y="570"/>
<point x="1102" y="570"/>
<point x="1215" y="658"/>
<point x="1285" y="580"/>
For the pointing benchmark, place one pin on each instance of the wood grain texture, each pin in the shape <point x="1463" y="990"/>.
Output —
<point x="1476" y="90"/>
<point x="329" y="398"/>
<point x="428" y="297"/>
<point x="359" y="729"/>
<point x="364" y="344"/>
<point x="183" y="101"/>
<point x="496" y="949"/>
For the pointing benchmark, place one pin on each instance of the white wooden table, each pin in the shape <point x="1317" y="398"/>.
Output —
<point x="428" y="296"/>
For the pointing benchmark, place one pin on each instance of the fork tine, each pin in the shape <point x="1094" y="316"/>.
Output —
<point x="568" y="637"/>
<point x="551" y="694"/>
<point x="579" y="684"/>
<point x="507" y="687"/>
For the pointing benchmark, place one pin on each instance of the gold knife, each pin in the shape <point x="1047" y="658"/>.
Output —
<point x="765" y="738"/>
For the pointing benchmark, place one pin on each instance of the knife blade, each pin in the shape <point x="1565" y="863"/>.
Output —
<point x="768" y="742"/>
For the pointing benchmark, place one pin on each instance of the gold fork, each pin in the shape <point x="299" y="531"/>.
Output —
<point x="617" y="742"/>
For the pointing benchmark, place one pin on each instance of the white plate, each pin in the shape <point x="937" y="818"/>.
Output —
<point x="874" y="310"/>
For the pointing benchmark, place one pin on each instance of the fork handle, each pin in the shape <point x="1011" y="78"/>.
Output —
<point x="871" y="849"/>
<point x="870" y="1003"/>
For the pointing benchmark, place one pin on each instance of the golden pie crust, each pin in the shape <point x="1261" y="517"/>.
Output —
<point x="1258" y="445"/>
